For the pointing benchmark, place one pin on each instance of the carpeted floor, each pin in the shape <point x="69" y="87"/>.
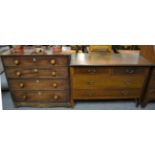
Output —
<point x="104" y="105"/>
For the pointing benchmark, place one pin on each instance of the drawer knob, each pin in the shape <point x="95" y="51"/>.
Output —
<point x="18" y="73"/>
<point x="56" y="97"/>
<point x="39" y="93"/>
<point x="35" y="70"/>
<point x="54" y="85"/>
<point x="16" y="62"/>
<point x="24" y="97"/>
<point x="34" y="59"/>
<point x="53" y="73"/>
<point x="21" y="85"/>
<point x="53" y="62"/>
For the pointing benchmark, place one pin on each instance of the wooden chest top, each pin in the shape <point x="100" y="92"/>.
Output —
<point x="101" y="59"/>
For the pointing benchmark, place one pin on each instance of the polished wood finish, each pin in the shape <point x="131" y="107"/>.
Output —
<point x="106" y="59"/>
<point x="35" y="61"/>
<point x="148" y="51"/>
<point x="108" y="76"/>
<point x="45" y="80"/>
<point x="95" y="94"/>
<point x="100" y="81"/>
<point x="40" y="96"/>
<point x="20" y="72"/>
<point x="115" y="84"/>
<point x="39" y="84"/>
<point x="38" y="81"/>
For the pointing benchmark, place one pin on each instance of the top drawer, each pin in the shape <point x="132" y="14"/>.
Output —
<point x="39" y="61"/>
<point x="114" y="71"/>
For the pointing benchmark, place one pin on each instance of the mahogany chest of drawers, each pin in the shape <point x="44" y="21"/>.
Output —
<point x="38" y="80"/>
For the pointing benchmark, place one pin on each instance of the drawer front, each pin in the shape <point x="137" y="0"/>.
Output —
<point x="91" y="70"/>
<point x="38" y="84"/>
<point x="39" y="61"/>
<point x="99" y="82"/>
<point x="55" y="72"/>
<point x="114" y="71"/>
<point x="129" y="71"/>
<point x="106" y="94"/>
<point x="40" y="96"/>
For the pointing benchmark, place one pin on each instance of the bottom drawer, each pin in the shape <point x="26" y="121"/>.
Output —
<point x="41" y="96"/>
<point x="107" y="94"/>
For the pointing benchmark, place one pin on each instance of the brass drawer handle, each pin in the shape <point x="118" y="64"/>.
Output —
<point x="55" y="97"/>
<point x="124" y="93"/>
<point x="54" y="85"/>
<point x="130" y="71"/>
<point x="90" y="94"/>
<point x="127" y="82"/>
<point x="21" y="85"/>
<point x="18" y="73"/>
<point x="16" y="62"/>
<point x="53" y="62"/>
<point x="91" y="82"/>
<point x="92" y="70"/>
<point x="53" y="73"/>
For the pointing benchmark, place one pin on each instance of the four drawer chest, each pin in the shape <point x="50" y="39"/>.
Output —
<point x="38" y="80"/>
<point x="47" y="80"/>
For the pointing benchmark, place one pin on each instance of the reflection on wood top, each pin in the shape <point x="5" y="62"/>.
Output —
<point x="102" y="59"/>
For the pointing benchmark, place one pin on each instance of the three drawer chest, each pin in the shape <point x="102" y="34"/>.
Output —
<point x="108" y="76"/>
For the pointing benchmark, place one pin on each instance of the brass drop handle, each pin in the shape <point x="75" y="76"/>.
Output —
<point x="54" y="85"/>
<point x="91" y="82"/>
<point x="53" y="62"/>
<point x="53" y="73"/>
<point x="124" y="92"/>
<point x="24" y="97"/>
<point x="16" y="62"/>
<point x="21" y="85"/>
<point x="93" y="70"/>
<point x="90" y="94"/>
<point x="127" y="82"/>
<point x="55" y="97"/>
<point x="130" y="71"/>
<point x="18" y="73"/>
